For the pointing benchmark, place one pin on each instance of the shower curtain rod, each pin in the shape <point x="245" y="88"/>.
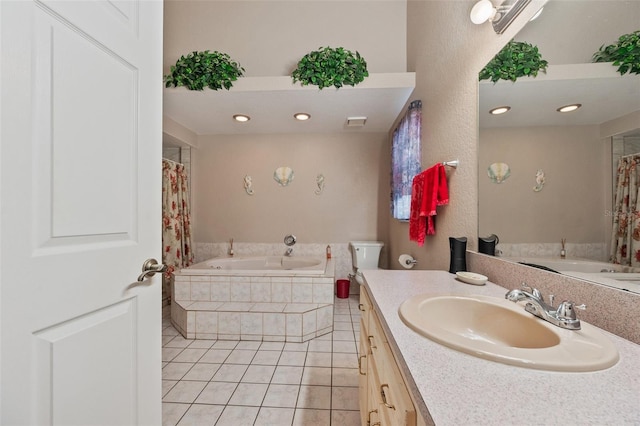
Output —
<point x="171" y="161"/>
<point x="637" y="154"/>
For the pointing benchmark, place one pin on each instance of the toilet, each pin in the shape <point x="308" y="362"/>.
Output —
<point x="365" y="255"/>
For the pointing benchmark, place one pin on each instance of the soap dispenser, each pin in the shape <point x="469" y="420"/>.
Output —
<point x="487" y="245"/>
<point x="458" y="249"/>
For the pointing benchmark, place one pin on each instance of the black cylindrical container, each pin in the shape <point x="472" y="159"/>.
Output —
<point x="458" y="248"/>
<point x="487" y="245"/>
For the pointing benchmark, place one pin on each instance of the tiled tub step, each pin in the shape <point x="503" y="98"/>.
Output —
<point x="267" y="321"/>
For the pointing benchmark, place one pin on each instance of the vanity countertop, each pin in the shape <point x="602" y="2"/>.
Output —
<point x="460" y="389"/>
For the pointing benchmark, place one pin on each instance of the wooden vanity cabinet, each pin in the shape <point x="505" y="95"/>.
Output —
<point x="384" y="398"/>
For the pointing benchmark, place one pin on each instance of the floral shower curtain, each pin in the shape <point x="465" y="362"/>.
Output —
<point x="625" y="239"/>
<point x="176" y="218"/>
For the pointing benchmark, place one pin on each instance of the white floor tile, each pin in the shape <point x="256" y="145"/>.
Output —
<point x="265" y="357"/>
<point x="215" y="356"/>
<point x="225" y="344"/>
<point x="250" y="394"/>
<point x="272" y="416"/>
<point x="345" y="418"/>
<point x="345" y="377"/>
<point x="230" y="373"/>
<point x="259" y="374"/>
<point x="281" y="396"/>
<point x="201" y="415"/>
<point x="318" y="359"/>
<point x="314" y="397"/>
<point x="310" y="417"/>
<point x="172" y="412"/>
<point x="168" y="354"/>
<point x="343" y="335"/>
<point x="175" y="370"/>
<point x="286" y="374"/>
<point x="241" y="356"/>
<point x="272" y="346"/>
<point x="184" y="391"/>
<point x="292" y="358"/>
<point x="190" y="355"/>
<point x="216" y="393"/>
<point x="201" y="344"/>
<point x="344" y="360"/>
<point x="317" y="376"/>
<point x="292" y="346"/>
<point x="202" y="372"/>
<point x="317" y="345"/>
<point x="167" y="385"/>
<point x="344" y="346"/>
<point x="237" y="416"/>
<point x="343" y="398"/>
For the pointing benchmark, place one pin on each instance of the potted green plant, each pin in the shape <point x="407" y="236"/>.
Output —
<point x="516" y="59"/>
<point x="625" y="53"/>
<point x="198" y="70"/>
<point x="330" y="66"/>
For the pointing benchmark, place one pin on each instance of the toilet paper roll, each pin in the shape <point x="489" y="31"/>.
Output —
<point x="407" y="261"/>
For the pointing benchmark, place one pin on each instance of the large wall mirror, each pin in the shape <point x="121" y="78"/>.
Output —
<point x="576" y="152"/>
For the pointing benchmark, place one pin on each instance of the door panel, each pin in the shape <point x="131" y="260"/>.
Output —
<point x="80" y="194"/>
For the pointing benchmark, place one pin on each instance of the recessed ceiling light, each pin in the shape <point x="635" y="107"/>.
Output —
<point x="499" y="110"/>
<point x="241" y="117"/>
<point x="356" y="121"/>
<point x="569" y="108"/>
<point x="302" y="116"/>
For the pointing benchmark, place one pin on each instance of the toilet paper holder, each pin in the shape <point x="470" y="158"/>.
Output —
<point x="407" y="261"/>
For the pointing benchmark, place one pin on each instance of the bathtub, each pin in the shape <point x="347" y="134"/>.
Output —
<point x="610" y="274"/>
<point x="264" y="298"/>
<point x="261" y="266"/>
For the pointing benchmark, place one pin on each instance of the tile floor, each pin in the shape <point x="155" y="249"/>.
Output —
<point x="223" y="382"/>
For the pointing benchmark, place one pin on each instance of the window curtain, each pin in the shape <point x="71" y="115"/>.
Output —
<point x="176" y="218"/>
<point x="625" y="239"/>
<point x="405" y="160"/>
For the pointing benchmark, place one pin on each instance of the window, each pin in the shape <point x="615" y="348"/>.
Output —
<point x="405" y="160"/>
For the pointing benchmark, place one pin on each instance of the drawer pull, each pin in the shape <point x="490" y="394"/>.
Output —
<point x="360" y="365"/>
<point x="384" y="397"/>
<point x="361" y="307"/>
<point x="371" y="343"/>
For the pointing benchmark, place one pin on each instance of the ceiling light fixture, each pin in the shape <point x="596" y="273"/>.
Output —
<point x="538" y="13"/>
<point x="499" y="110"/>
<point x="302" y="116"/>
<point x="500" y="17"/>
<point x="241" y="118"/>
<point x="569" y="108"/>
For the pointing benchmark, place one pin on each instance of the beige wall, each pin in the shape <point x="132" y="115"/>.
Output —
<point x="353" y="206"/>
<point x="572" y="202"/>
<point x="269" y="37"/>
<point x="447" y="51"/>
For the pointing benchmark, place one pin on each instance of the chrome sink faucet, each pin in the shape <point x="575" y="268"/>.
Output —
<point x="564" y="316"/>
<point x="289" y="241"/>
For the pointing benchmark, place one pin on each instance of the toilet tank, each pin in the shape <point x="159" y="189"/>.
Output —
<point x="366" y="254"/>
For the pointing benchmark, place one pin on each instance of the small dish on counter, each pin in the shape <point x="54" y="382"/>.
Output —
<point x="471" y="278"/>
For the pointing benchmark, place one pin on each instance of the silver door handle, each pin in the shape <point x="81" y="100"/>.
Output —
<point x="150" y="267"/>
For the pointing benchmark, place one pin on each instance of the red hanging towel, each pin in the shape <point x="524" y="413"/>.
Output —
<point x="417" y="223"/>
<point x="436" y="193"/>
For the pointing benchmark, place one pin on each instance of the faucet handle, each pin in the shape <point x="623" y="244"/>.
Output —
<point x="566" y="309"/>
<point x="534" y="291"/>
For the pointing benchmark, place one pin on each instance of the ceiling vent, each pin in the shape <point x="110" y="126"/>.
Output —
<point x="356" y="121"/>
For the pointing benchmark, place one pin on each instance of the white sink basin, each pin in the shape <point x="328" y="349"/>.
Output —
<point x="500" y="330"/>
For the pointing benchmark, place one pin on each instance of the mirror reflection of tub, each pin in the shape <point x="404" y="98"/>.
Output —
<point x="619" y="276"/>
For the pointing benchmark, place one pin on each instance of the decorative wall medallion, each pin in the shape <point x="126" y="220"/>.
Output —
<point x="498" y="172"/>
<point x="539" y="181"/>
<point x="248" y="185"/>
<point x="320" y="183"/>
<point x="283" y="175"/>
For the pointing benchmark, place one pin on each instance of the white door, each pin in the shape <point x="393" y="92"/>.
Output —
<point x="80" y="150"/>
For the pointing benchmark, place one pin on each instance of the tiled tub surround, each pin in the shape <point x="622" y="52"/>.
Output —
<point x="593" y="251"/>
<point x="223" y="305"/>
<point x="340" y="253"/>
<point x="453" y="388"/>
<point x="611" y="309"/>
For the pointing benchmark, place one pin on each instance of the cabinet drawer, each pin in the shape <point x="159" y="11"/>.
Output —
<point x="364" y="306"/>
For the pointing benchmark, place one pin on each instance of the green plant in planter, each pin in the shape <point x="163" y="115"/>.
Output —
<point x="198" y="70"/>
<point x="331" y="67"/>
<point x="516" y="59"/>
<point x="625" y="54"/>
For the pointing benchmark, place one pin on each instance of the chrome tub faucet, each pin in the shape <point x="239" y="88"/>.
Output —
<point x="564" y="316"/>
